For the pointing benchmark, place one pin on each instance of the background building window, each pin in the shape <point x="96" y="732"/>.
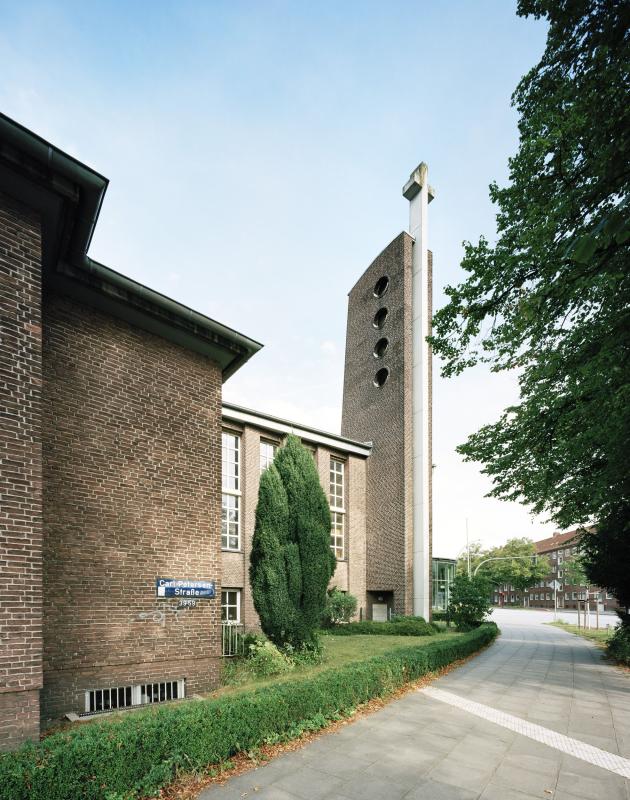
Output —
<point x="337" y="507"/>
<point x="267" y="454"/>
<point x="231" y="605"/>
<point x="231" y="497"/>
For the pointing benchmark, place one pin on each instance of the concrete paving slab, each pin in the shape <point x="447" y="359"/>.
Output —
<point x="421" y="748"/>
<point x="433" y="790"/>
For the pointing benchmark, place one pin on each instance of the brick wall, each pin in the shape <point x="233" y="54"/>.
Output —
<point x="132" y="463"/>
<point x="20" y="474"/>
<point x="383" y="416"/>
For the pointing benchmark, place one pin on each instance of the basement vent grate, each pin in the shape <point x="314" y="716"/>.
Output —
<point x="99" y="701"/>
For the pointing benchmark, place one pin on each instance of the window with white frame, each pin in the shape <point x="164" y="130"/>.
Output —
<point x="231" y="497"/>
<point x="337" y="507"/>
<point x="267" y="454"/>
<point x="230" y="605"/>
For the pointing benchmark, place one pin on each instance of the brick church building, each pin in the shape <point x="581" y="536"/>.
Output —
<point x="129" y="487"/>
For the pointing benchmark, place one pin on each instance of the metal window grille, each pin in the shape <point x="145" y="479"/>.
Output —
<point x="108" y="699"/>
<point x="99" y="701"/>
<point x="232" y="639"/>
<point x="161" y="692"/>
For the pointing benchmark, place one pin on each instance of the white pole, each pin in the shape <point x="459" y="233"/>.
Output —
<point x="597" y="609"/>
<point x="555" y="603"/>
<point x="467" y="547"/>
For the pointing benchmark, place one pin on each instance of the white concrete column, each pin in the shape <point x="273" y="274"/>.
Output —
<point x="419" y="194"/>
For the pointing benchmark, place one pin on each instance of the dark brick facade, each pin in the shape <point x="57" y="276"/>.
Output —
<point x="20" y="474"/>
<point x="383" y="416"/>
<point x="132" y="471"/>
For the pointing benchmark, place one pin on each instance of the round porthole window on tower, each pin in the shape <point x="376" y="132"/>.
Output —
<point x="380" y="348"/>
<point x="380" y="379"/>
<point x="379" y="318"/>
<point x="381" y="286"/>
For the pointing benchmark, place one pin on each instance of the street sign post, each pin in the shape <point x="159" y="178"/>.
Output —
<point x="555" y="585"/>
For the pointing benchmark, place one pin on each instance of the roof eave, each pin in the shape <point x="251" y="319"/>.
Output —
<point x="69" y="196"/>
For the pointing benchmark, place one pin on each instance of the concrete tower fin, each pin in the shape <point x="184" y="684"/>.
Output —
<point x="420" y="194"/>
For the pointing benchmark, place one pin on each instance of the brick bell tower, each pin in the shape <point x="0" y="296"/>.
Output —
<point x="387" y="400"/>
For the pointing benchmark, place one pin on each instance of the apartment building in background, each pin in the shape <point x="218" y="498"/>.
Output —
<point x="559" y="549"/>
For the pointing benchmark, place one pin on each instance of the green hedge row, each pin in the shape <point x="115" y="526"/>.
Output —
<point x="135" y="754"/>
<point x="400" y="627"/>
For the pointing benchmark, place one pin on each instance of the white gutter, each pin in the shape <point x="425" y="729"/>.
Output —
<point x="257" y="419"/>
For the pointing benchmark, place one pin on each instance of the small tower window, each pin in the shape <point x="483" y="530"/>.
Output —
<point x="380" y="318"/>
<point x="380" y="348"/>
<point x="381" y="286"/>
<point x="380" y="379"/>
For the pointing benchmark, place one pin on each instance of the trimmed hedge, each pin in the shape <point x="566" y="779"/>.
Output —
<point x="401" y="627"/>
<point x="137" y="753"/>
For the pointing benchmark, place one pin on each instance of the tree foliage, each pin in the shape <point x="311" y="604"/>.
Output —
<point x="575" y="571"/>
<point x="516" y="563"/>
<point x="606" y="557"/>
<point x="340" y="607"/>
<point x="551" y="298"/>
<point x="291" y="561"/>
<point x="470" y="601"/>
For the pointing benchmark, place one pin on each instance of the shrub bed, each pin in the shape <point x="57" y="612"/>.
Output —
<point x="137" y="753"/>
<point x="410" y="626"/>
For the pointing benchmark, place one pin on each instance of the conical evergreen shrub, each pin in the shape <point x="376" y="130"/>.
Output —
<point x="291" y="561"/>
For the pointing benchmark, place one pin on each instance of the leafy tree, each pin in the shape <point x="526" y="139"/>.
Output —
<point x="606" y="557"/>
<point x="523" y="569"/>
<point x="272" y="557"/>
<point x="574" y="571"/>
<point x="516" y="563"/>
<point x="551" y="298"/>
<point x="291" y="561"/>
<point x="340" y="607"/>
<point x="469" y="600"/>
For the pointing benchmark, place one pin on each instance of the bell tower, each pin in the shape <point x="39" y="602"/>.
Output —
<point x="387" y="400"/>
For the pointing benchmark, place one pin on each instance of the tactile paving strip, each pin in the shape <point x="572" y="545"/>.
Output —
<point x="573" y="747"/>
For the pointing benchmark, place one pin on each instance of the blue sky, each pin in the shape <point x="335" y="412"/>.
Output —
<point x="256" y="153"/>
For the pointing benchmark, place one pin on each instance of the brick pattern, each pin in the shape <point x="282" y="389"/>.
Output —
<point x="20" y="474"/>
<point x="383" y="416"/>
<point x="132" y="475"/>
<point x="350" y="573"/>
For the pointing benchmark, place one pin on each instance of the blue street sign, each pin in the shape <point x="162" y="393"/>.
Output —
<point x="168" y="587"/>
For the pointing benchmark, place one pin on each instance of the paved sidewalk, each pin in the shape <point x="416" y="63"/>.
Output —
<point x="421" y="748"/>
